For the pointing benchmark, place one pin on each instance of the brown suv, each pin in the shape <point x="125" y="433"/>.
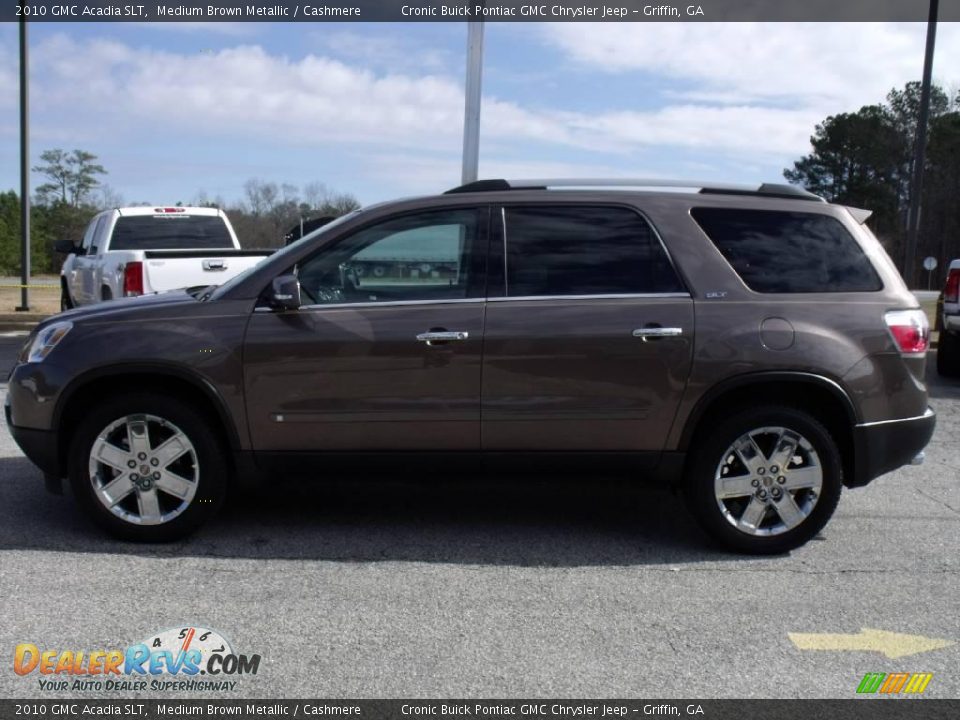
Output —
<point x="754" y="345"/>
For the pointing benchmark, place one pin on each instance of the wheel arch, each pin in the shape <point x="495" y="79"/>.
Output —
<point x="96" y="384"/>
<point x="822" y="397"/>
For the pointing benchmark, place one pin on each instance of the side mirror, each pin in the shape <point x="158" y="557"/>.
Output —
<point x="66" y="247"/>
<point x="285" y="293"/>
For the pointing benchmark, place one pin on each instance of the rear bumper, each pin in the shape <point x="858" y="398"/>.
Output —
<point x="882" y="447"/>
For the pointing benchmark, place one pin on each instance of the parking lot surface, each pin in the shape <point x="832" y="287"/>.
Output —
<point x="445" y="587"/>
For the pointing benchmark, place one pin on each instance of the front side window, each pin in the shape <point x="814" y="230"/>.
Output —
<point x="93" y="231"/>
<point x="788" y="252"/>
<point x="424" y="256"/>
<point x="583" y="250"/>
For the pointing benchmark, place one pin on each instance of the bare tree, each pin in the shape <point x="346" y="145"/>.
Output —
<point x="109" y="198"/>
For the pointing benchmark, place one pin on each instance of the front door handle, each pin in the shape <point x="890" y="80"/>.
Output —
<point x="435" y="337"/>
<point x="648" y="333"/>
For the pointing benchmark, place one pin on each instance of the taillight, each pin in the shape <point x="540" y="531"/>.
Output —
<point x="133" y="279"/>
<point x="910" y="330"/>
<point x="951" y="292"/>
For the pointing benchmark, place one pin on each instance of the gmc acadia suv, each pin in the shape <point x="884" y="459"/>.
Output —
<point x="755" y="346"/>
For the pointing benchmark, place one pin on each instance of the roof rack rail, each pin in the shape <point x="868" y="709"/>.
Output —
<point x="771" y="190"/>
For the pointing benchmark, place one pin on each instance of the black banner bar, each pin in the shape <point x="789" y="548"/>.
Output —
<point x="492" y="10"/>
<point x="859" y="709"/>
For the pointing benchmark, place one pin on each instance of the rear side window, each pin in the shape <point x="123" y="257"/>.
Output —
<point x="789" y="252"/>
<point x="170" y="232"/>
<point x="578" y="250"/>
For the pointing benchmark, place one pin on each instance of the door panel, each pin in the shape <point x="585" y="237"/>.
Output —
<point x="565" y="368"/>
<point x="569" y="374"/>
<point x="389" y="356"/>
<point x="357" y="378"/>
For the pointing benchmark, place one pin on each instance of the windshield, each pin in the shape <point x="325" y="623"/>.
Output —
<point x="283" y="252"/>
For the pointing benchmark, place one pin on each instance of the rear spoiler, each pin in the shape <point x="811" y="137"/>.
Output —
<point x="859" y="214"/>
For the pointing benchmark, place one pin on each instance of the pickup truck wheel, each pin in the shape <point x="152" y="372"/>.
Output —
<point x="948" y="354"/>
<point x="147" y="468"/>
<point x="764" y="480"/>
<point x="65" y="302"/>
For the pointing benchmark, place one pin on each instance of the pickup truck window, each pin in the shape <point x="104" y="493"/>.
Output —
<point x="91" y="233"/>
<point x="170" y="232"/>
<point x="97" y="237"/>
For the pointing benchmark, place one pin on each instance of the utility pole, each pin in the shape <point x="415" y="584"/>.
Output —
<point x="24" y="173"/>
<point x="471" y="114"/>
<point x="920" y="150"/>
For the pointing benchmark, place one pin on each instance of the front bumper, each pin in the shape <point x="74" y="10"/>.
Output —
<point x="882" y="447"/>
<point x="40" y="446"/>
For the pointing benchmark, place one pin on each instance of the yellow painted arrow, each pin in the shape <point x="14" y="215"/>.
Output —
<point x="891" y="644"/>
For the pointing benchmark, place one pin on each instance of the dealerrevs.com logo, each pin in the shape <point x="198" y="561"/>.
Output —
<point x="179" y="659"/>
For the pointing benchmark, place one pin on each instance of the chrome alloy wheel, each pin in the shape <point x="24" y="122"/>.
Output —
<point x="768" y="481"/>
<point x="144" y="469"/>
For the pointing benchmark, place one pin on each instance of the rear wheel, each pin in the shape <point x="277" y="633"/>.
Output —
<point x="948" y="354"/>
<point x="147" y="468"/>
<point x="764" y="480"/>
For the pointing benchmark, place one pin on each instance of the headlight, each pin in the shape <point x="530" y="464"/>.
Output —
<point x="44" y="341"/>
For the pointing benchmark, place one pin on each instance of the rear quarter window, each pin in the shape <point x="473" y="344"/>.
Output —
<point x="789" y="252"/>
<point x="170" y="232"/>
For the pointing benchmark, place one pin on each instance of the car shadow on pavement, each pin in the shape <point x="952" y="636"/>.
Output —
<point x="484" y="521"/>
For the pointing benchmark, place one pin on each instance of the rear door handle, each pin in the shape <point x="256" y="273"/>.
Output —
<point x="657" y="332"/>
<point x="442" y="336"/>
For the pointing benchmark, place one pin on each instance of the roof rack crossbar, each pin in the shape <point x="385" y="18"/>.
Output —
<point x="766" y="189"/>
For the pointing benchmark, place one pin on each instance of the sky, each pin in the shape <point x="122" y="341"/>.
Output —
<point x="174" y="110"/>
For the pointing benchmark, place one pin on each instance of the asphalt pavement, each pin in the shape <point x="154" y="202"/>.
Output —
<point x="499" y="588"/>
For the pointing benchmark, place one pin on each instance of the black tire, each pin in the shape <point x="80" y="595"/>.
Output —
<point x="106" y="293"/>
<point x="713" y="446"/>
<point x="65" y="302"/>
<point x="948" y="354"/>
<point x="207" y="467"/>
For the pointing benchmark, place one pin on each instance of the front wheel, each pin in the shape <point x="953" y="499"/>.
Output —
<point x="764" y="480"/>
<point x="147" y="468"/>
<point x="65" y="302"/>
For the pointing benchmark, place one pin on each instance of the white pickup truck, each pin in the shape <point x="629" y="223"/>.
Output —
<point x="948" y="323"/>
<point x="140" y="250"/>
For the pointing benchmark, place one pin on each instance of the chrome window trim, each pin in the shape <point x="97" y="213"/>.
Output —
<point x="612" y="296"/>
<point x="373" y="304"/>
<point x="465" y="301"/>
